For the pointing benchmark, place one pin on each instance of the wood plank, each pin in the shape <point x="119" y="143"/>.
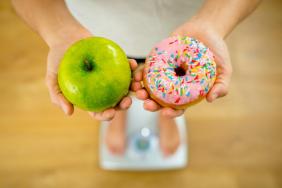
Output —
<point x="234" y="142"/>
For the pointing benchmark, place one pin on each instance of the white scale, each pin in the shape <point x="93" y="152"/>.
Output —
<point x="143" y="152"/>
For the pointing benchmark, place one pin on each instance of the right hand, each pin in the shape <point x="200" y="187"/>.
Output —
<point x="55" y="55"/>
<point x="149" y="104"/>
<point x="208" y="35"/>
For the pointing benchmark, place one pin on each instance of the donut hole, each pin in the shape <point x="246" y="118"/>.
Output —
<point x="180" y="71"/>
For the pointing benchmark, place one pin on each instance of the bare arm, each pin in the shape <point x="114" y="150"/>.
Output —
<point x="211" y="24"/>
<point x="222" y="15"/>
<point x="50" y="18"/>
<point x="54" y="23"/>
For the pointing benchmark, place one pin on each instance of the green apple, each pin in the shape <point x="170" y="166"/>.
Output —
<point x="94" y="74"/>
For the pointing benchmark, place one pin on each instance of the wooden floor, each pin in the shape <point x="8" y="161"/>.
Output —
<point x="235" y="142"/>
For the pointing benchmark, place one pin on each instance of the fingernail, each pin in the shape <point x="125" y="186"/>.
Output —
<point x="64" y="108"/>
<point x="92" y="114"/>
<point x="214" y="96"/>
<point x="148" y="100"/>
<point x="181" y="112"/>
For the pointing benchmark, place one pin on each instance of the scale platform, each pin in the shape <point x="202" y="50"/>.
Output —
<point x="143" y="151"/>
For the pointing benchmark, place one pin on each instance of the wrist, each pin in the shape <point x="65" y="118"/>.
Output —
<point x="208" y="24"/>
<point x="202" y="31"/>
<point x="199" y="28"/>
<point x="64" y="35"/>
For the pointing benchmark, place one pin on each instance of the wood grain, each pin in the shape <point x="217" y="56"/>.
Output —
<point x="234" y="142"/>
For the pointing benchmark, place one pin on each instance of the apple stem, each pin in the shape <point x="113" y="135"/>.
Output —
<point x="88" y="65"/>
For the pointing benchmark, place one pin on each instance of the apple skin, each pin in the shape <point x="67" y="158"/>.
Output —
<point x="94" y="74"/>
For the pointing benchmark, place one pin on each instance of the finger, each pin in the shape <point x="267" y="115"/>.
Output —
<point x="56" y="95"/>
<point x="138" y="76"/>
<point x="92" y="114"/>
<point x="65" y="105"/>
<point x="151" y="105"/>
<point x="171" y="113"/>
<point x="218" y="90"/>
<point x="220" y="87"/>
<point x="133" y="64"/>
<point x="125" y="103"/>
<point x="106" y="115"/>
<point x="135" y="86"/>
<point x="142" y="94"/>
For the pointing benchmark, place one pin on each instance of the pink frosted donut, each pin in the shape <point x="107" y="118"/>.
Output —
<point x="179" y="72"/>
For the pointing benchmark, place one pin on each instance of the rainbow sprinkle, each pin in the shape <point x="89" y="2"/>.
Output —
<point x="193" y="57"/>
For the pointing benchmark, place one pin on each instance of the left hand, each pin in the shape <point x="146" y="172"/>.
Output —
<point x="205" y="33"/>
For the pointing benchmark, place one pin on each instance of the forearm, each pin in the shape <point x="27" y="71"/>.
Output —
<point x="223" y="15"/>
<point x="50" y="18"/>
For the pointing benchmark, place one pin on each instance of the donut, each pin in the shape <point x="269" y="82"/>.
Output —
<point x="179" y="72"/>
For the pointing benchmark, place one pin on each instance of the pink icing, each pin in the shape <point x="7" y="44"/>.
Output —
<point x="167" y="83"/>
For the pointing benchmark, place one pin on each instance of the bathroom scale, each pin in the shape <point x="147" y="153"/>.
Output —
<point x="142" y="150"/>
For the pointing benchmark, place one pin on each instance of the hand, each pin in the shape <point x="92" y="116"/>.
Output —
<point x="55" y="54"/>
<point x="150" y="104"/>
<point x="215" y="42"/>
<point x="211" y="38"/>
